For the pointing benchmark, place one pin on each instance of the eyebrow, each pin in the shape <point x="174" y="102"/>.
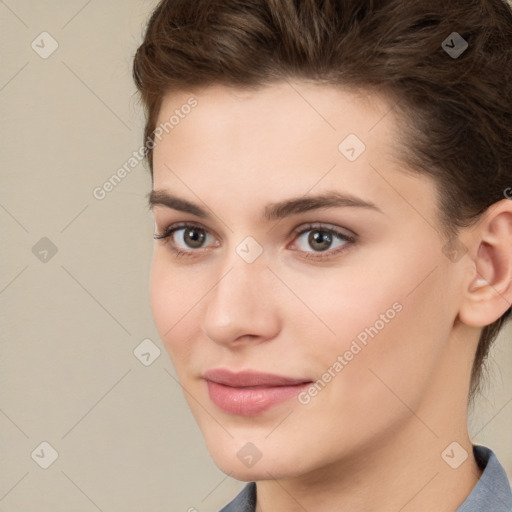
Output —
<point x="273" y="211"/>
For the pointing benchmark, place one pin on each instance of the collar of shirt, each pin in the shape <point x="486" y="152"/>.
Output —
<point x="491" y="493"/>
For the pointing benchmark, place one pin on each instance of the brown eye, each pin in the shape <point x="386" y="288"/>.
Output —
<point x="187" y="238"/>
<point x="193" y="237"/>
<point x="319" y="240"/>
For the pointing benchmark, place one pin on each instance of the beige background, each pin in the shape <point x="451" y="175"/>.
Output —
<point x="69" y="326"/>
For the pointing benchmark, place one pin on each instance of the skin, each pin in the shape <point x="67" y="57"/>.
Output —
<point x="372" y="439"/>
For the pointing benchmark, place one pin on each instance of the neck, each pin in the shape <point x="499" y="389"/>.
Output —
<point x="401" y="470"/>
<point x="406" y="475"/>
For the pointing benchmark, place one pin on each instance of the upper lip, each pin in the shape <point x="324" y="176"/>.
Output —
<point x="250" y="378"/>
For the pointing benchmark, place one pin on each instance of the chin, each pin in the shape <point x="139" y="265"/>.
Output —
<point x="259" y="459"/>
<point x="260" y="471"/>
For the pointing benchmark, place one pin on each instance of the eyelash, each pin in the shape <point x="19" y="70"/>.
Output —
<point x="321" y="255"/>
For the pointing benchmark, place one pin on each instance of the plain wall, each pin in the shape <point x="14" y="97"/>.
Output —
<point x="69" y="325"/>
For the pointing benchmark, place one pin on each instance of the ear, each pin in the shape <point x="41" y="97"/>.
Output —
<point x="488" y="289"/>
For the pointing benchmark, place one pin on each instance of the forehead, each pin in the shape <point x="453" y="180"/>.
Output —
<point x="272" y="127"/>
<point x="285" y="139"/>
<point x="329" y="107"/>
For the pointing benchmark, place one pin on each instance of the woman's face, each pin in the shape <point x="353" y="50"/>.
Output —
<point x="311" y="306"/>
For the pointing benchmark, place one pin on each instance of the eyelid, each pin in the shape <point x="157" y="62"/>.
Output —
<point x="303" y="228"/>
<point x="336" y="231"/>
<point x="323" y="226"/>
<point x="170" y="230"/>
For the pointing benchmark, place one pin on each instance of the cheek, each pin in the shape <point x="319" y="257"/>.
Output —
<point x="172" y="300"/>
<point x="379" y="318"/>
<point x="348" y="299"/>
<point x="162" y="298"/>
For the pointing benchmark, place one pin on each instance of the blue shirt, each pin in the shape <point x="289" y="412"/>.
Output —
<point x="492" y="492"/>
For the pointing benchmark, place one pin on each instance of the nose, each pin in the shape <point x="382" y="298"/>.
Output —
<point x="242" y="306"/>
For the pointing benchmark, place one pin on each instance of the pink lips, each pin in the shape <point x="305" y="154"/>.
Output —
<point x="250" y="393"/>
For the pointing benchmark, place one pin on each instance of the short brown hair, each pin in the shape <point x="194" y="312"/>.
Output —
<point x="457" y="108"/>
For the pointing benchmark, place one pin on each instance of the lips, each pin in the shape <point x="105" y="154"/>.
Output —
<point x="249" y="393"/>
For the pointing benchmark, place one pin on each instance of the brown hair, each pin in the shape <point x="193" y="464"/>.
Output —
<point x="456" y="110"/>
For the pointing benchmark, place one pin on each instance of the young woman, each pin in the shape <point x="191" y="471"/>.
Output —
<point x="333" y="254"/>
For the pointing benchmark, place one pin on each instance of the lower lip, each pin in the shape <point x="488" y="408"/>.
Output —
<point x="251" y="401"/>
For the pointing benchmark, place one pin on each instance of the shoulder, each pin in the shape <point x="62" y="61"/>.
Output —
<point x="492" y="491"/>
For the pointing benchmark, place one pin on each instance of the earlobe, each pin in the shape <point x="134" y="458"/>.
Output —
<point x="489" y="290"/>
